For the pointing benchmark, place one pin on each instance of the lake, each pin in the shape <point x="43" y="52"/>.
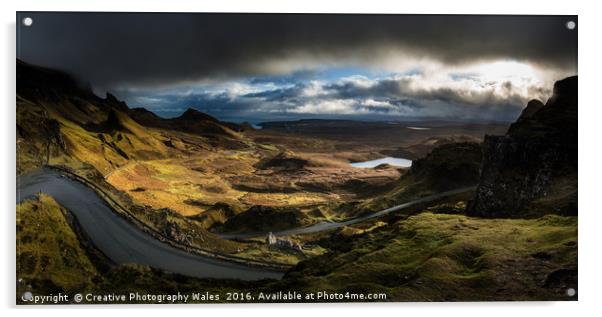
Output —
<point x="385" y="160"/>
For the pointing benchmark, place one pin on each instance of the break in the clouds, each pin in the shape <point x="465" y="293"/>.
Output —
<point x="463" y="95"/>
<point x="257" y="67"/>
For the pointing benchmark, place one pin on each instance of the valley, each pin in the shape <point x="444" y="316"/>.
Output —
<point x="191" y="200"/>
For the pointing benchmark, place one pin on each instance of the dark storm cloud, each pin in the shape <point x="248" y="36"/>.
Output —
<point x="113" y="49"/>
<point x="285" y="79"/>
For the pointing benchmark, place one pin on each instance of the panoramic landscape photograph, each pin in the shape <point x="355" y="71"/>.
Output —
<point x="295" y="158"/>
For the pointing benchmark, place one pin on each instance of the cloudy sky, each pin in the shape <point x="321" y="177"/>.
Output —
<point x="261" y="67"/>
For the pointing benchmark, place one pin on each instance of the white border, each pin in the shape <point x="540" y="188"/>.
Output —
<point x="590" y="100"/>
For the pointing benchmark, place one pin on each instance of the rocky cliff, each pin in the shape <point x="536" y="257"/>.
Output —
<point x="532" y="170"/>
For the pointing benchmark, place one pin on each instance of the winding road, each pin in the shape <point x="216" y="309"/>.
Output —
<point x="122" y="242"/>
<point x="323" y="226"/>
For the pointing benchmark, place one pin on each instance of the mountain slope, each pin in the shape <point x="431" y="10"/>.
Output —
<point x="192" y="121"/>
<point x="61" y="121"/>
<point x="440" y="257"/>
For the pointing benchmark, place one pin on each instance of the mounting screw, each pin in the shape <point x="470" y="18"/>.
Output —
<point x="571" y="292"/>
<point x="571" y="25"/>
<point x="27" y="21"/>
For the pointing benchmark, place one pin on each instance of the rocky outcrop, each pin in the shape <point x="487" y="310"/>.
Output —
<point x="532" y="170"/>
<point x="55" y="141"/>
<point x="173" y="229"/>
<point x="116" y="103"/>
<point x="449" y="166"/>
<point x="174" y="232"/>
<point x="112" y="123"/>
<point x="532" y="107"/>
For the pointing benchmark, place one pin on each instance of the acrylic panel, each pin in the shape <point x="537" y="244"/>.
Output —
<point x="269" y="158"/>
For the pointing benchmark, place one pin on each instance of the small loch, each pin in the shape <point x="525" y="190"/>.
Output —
<point x="395" y="161"/>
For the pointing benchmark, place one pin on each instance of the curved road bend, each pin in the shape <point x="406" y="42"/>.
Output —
<point x="323" y="226"/>
<point x="121" y="241"/>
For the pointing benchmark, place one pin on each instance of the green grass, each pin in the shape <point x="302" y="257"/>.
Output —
<point x="441" y="257"/>
<point x="427" y="257"/>
<point x="49" y="255"/>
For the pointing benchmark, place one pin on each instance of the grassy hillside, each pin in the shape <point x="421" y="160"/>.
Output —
<point x="426" y="257"/>
<point x="50" y="257"/>
<point x="441" y="257"/>
<point x="60" y="121"/>
<point x="102" y="144"/>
